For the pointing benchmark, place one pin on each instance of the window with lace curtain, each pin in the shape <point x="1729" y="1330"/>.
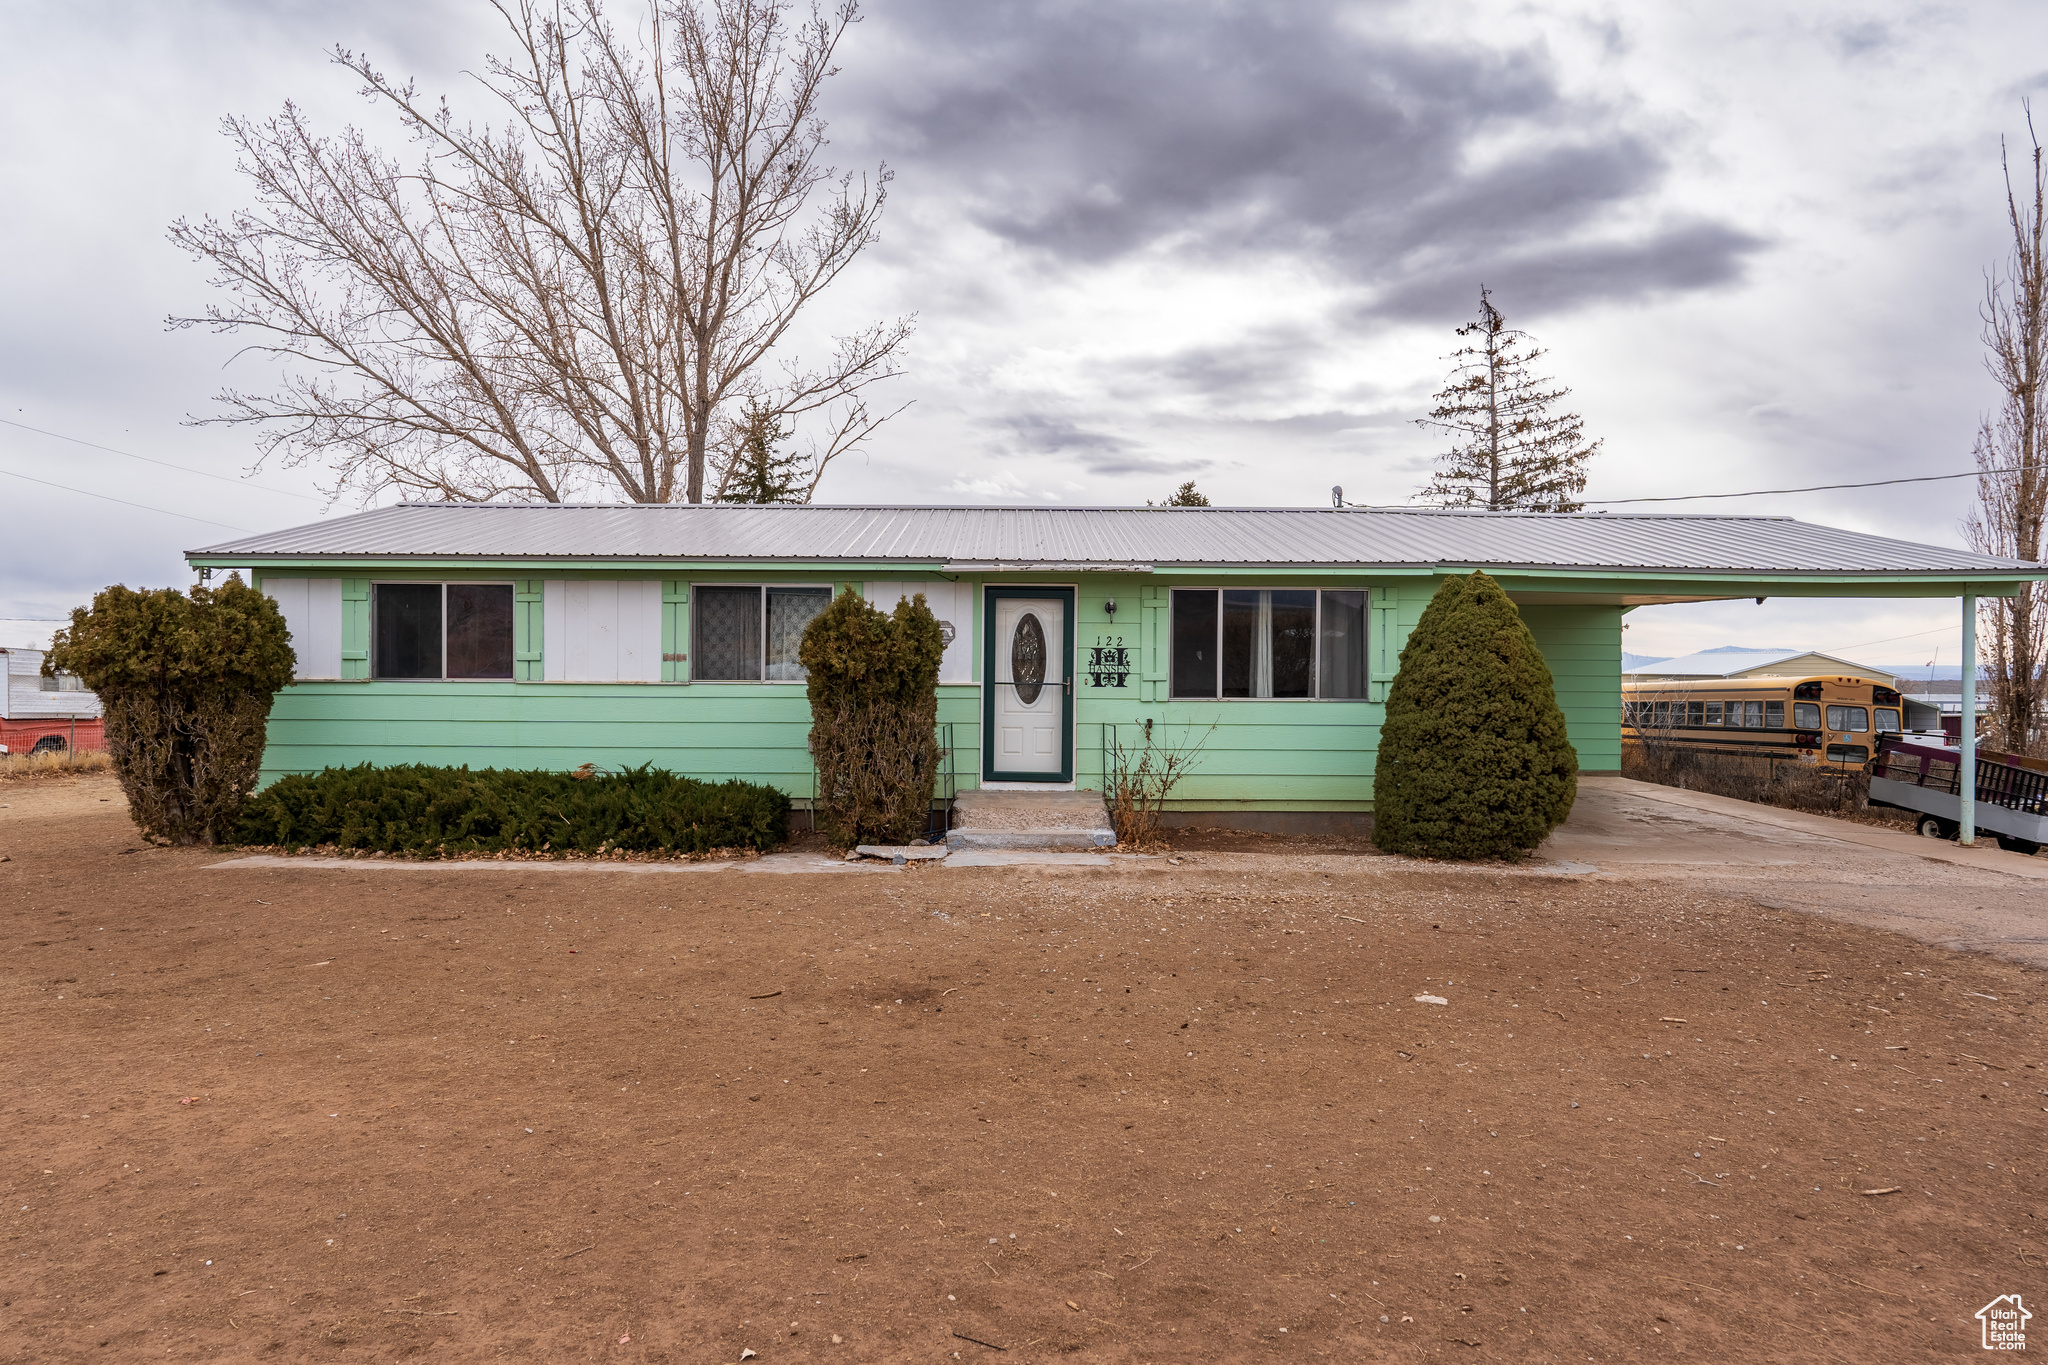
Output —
<point x="751" y="634"/>
<point x="1268" y="643"/>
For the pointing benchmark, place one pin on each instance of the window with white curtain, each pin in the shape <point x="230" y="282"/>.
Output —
<point x="751" y="634"/>
<point x="1268" y="643"/>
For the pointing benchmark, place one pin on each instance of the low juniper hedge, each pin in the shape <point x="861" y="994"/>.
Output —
<point x="427" y="811"/>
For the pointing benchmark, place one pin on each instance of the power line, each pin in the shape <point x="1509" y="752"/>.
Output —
<point x="150" y="459"/>
<point x="1865" y="644"/>
<point x="123" y="501"/>
<point x="1816" y="488"/>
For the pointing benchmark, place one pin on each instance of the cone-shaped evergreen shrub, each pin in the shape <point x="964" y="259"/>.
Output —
<point x="874" y="688"/>
<point x="1473" y="759"/>
<point x="428" y="811"/>
<point x="186" y="682"/>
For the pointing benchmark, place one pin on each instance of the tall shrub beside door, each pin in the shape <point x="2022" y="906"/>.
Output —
<point x="873" y="681"/>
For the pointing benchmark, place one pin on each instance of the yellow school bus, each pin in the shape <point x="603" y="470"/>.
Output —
<point x="1815" y="719"/>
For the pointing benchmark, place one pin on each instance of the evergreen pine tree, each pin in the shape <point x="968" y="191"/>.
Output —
<point x="758" y="470"/>
<point x="1509" y="450"/>
<point x="1473" y="758"/>
<point x="1187" y="495"/>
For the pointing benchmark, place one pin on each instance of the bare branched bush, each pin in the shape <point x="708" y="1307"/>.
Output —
<point x="1139" y="779"/>
<point x="2012" y="452"/>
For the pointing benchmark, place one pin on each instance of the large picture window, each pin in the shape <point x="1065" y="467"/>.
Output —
<point x="442" y="630"/>
<point x="751" y="634"/>
<point x="1268" y="642"/>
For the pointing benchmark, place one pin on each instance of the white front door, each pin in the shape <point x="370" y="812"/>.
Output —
<point x="1029" y="680"/>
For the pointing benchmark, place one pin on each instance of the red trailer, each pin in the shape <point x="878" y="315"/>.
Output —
<point x="38" y="713"/>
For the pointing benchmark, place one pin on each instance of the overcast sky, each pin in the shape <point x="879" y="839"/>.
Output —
<point x="1153" y="242"/>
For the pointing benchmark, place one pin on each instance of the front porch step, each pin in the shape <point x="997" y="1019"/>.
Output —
<point x="1030" y="820"/>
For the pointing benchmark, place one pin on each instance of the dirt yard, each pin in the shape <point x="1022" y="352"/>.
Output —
<point x="1159" y="1112"/>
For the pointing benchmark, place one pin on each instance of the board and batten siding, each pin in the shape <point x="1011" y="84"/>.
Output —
<point x="1274" y="755"/>
<point x="601" y="630"/>
<point x="311" y="608"/>
<point x="951" y="602"/>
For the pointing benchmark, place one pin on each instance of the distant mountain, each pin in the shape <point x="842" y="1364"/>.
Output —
<point x="1948" y="671"/>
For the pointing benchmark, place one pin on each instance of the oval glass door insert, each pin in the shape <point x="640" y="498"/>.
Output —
<point x="1027" y="658"/>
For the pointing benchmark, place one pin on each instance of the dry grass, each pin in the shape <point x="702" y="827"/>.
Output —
<point x="54" y="763"/>
<point x="1787" y="783"/>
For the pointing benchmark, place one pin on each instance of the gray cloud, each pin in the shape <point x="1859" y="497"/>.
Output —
<point x="1091" y="133"/>
<point x="1535" y="280"/>
<point x="1862" y="38"/>
<point x="1097" y="452"/>
<point x="1260" y="364"/>
<point x="1043" y="435"/>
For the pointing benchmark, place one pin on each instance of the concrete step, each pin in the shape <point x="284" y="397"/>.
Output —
<point x="1030" y="820"/>
<point x="1105" y="837"/>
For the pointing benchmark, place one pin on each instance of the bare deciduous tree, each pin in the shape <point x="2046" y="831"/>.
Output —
<point x="584" y="296"/>
<point x="2012" y="493"/>
<point x="1509" y="449"/>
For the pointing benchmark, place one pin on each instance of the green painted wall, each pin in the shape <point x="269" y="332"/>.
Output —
<point x="713" y="731"/>
<point x="1264" y="755"/>
<point x="1583" y="648"/>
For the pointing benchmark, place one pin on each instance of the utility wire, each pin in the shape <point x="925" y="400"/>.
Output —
<point x="1816" y="488"/>
<point x="1865" y="644"/>
<point x="150" y="459"/>
<point x="123" y="501"/>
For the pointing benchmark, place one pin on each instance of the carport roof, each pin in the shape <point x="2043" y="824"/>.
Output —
<point x="1129" y="539"/>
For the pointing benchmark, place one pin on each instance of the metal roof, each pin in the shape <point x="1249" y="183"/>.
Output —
<point x="1726" y="663"/>
<point x="967" y="539"/>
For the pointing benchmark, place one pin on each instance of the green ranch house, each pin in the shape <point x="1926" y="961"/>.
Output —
<point x="549" y="636"/>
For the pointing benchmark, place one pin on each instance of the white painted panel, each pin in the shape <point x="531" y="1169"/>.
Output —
<point x="323" y="629"/>
<point x="593" y="631"/>
<point x="601" y="630"/>
<point x="312" y="613"/>
<point x="640" y="631"/>
<point x="952" y="603"/>
<point x="554" y="630"/>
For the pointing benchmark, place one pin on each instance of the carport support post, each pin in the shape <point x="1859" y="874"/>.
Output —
<point x="1967" y="730"/>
